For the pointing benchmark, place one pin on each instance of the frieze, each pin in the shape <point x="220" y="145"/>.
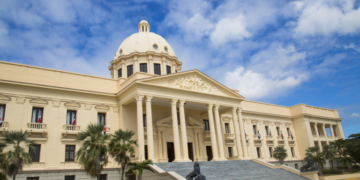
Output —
<point x="20" y="100"/>
<point x="56" y="103"/>
<point x="193" y="83"/>
<point x="38" y="101"/>
<point x="4" y="98"/>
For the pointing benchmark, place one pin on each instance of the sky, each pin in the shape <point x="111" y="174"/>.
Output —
<point x="274" y="51"/>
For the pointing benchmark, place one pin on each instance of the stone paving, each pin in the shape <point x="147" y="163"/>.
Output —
<point x="231" y="170"/>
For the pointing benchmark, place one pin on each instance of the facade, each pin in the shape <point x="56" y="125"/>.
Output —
<point x="178" y="116"/>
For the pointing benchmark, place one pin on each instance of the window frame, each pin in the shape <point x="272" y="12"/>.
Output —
<point x="278" y="130"/>
<point x="32" y="178"/>
<point x="270" y="151"/>
<point x="68" y="159"/>
<point x="100" y="178"/>
<point x="155" y="68"/>
<point x="142" y="68"/>
<point x="120" y="73"/>
<point x="292" y="152"/>
<point x="32" y="153"/>
<point x="230" y="152"/>
<point x="73" y="176"/>
<point x="37" y="114"/>
<point x="227" y="128"/>
<point x="255" y="129"/>
<point x="168" y="69"/>
<point x="70" y="111"/>
<point x="206" y="125"/>
<point x="288" y="131"/>
<point x="3" y="114"/>
<point x="130" y="70"/>
<point x="99" y="120"/>
<point x="144" y="120"/>
<point x="267" y="130"/>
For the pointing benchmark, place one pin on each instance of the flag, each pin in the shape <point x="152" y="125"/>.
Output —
<point x="339" y="151"/>
<point x="270" y="133"/>
<point x="245" y="134"/>
<point x="39" y="118"/>
<point x="73" y="119"/>
<point x="282" y="136"/>
<point x="104" y="131"/>
<point x="1" y="113"/>
<point x="292" y="137"/>
<point x="259" y="134"/>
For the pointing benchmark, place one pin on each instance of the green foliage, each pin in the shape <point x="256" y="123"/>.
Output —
<point x="317" y="156"/>
<point x="350" y="146"/>
<point x="121" y="145"/>
<point x="12" y="161"/>
<point x="331" y="171"/>
<point x="138" y="167"/>
<point x="347" y="162"/>
<point x="93" y="149"/>
<point x="280" y="154"/>
<point x="3" y="176"/>
<point x="329" y="152"/>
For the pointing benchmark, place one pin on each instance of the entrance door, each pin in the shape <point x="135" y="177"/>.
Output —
<point x="146" y="152"/>
<point x="209" y="153"/>
<point x="191" y="153"/>
<point x="170" y="151"/>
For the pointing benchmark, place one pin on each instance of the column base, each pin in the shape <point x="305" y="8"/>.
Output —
<point x="182" y="160"/>
<point x="219" y="160"/>
<point x="163" y="160"/>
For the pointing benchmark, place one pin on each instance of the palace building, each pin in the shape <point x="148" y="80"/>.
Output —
<point x="177" y="116"/>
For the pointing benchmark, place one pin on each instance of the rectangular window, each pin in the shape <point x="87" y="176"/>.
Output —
<point x="267" y="130"/>
<point x="2" y="114"/>
<point x="102" y="155"/>
<point x="34" y="152"/>
<point x="144" y="119"/>
<point x="102" y="177"/>
<point x="72" y="177"/>
<point x="227" y="128"/>
<point x="101" y="118"/>
<point x="143" y="67"/>
<point x="258" y="152"/>
<point x="278" y="131"/>
<point x="206" y="125"/>
<point x="129" y="70"/>
<point x="288" y="131"/>
<point x="270" y="151"/>
<point x="296" y="166"/>
<point x="71" y="117"/>
<point x="119" y="73"/>
<point x="37" y="115"/>
<point x="254" y="129"/>
<point x="168" y="69"/>
<point x="32" y="178"/>
<point x="230" y="151"/>
<point x="292" y="151"/>
<point x="69" y="153"/>
<point x="157" y="69"/>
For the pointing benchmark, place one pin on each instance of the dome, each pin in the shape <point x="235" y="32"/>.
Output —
<point x="144" y="41"/>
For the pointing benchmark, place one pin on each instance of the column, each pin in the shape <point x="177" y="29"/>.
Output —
<point x="242" y="133"/>
<point x="140" y="127"/>
<point x="325" y="134"/>
<point x="332" y="131"/>
<point x="197" y="150"/>
<point x="173" y="68"/>
<point x="316" y="131"/>
<point x="159" y="141"/>
<point x="164" y="144"/>
<point x="320" y="146"/>
<point x="163" y="66"/>
<point x="237" y="132"/>
<point x="115" y="72"/>
<point x="151" y="66"/>
<point x="123" y="70"/>
<point x="175" y="131"/>
<point x="136" y="65"/>
<point x="183" y="131"/>
<point x="212" y="133"/>
<point x="149" y="129"/>
<point x="220" y="135"/>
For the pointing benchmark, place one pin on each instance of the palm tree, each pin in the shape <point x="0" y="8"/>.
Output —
<point x="92" y="153"/>
<point x="280" y="154"/>
<point x="349" y="161"/>
<point x="13" y="160"/>
<point x="329" y="152"/>
<point x="318" y="157"/>
<point x="138" y="167"/>
<point x="121" y="146"/>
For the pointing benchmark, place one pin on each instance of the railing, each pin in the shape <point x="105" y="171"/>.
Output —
<point x="268" y="137"/>
<point x="71" y="128"/>
<point x="229" y="136"/>
<point x="206" y="135"/>
<point x="4" y="124"/>
<point x="36" y="126"/>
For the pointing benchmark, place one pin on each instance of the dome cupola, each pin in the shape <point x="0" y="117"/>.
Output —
<point x="144" y="26"/>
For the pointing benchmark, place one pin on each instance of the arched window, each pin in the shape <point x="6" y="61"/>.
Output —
<point x="142" y="28"/>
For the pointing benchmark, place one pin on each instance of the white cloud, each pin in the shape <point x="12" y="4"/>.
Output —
<point x="355" y="115"/>
<point x="352" y="46"/>
<point x="324" y="17"/>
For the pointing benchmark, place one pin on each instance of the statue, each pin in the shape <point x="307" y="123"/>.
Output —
<point x="195" y="173"/>
<point x="310" y="165"/>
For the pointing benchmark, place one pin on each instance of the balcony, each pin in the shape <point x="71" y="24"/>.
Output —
<point x="70" y="129"/>
<point x="269" y="140"/>
<point x="36" y="128"/>
<point x="280" y="140"/>
<point x="4" y="127"/>
<point x="207" y="136"/>
<point x="229" y="137"/>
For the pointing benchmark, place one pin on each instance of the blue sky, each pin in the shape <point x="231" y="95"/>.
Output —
<point x="274" y="51"/>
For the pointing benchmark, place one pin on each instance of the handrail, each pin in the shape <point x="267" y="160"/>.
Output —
<point x="68" y="127"/>
<point x="36" y="126"/>
<point x="4" y="124"/>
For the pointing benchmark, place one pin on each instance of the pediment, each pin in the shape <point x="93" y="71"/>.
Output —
<point x="38" y="101"/>
<point x="102" y="107"/>
<point x="4" y="98"/>
<point x="192" y="80"/>
<point x="72" y="104"/>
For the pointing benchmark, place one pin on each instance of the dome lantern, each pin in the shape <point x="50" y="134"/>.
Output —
<point x="144" y="26"/>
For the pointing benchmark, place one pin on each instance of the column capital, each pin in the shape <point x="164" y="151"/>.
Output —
<point x="139" y="97"/>
<point x="148" y="98"/>
<point x="135" y="58"/>
<point x="216" y="107"/>
<point x="150" y="57"/>
<point x="163" y="59"/>
<point x="174" y="101"/>
<point x="240" y="108"/>
<point x="209" y="106"/>
<point x="181" y="102"/>
<point x="234" y="109"/>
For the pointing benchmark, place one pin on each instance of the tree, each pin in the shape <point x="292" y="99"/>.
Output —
<point x="138" y="167"/>
<point x="350" y="146"/>
<point x="121" y="146"/>
<point x="3" y="176"/>
<point x="318" y="157"/>
<point x="92" y="153"/>
<point x="329" y="152"/>
<point x="12" y="161"/>
<point x="280" y="154"/>
<point x="349" y="161"/>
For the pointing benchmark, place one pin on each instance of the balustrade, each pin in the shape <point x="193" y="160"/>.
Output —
<point x="4" y="127"/>
<point x="36" y="128"/>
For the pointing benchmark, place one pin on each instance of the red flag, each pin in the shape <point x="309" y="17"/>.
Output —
<point x="282" y="136"/>
<point x="104" y="129"/>
<point x="73" y="119"/>
<point x="292" y="137"/>
<point x="39" y="118"/>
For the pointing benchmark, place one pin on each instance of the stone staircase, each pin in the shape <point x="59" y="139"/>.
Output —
<point x="231" y="170"/>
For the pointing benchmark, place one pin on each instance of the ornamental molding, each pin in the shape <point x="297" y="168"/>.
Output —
<point x="72" y="105"/>
<point x="254" y="121"/>
<point x="102" y="107"/>
<point x="266" y="122"/>
<point x="116" y="109"/>
<point x="38" y="101"/>
<point x="56" y="103"/>
<point x="20" y="100"/>
<point x="193" y="83"/>
<point x="88" y="106"/>
<point x="226" y="119"/>
<point x="4" y="98"/>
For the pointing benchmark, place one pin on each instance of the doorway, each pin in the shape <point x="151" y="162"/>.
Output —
<point x="170" y="151"/>
<point x="146" y="152"/>
<point x="209" y="153"/>
<point x="191" y="153"/>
